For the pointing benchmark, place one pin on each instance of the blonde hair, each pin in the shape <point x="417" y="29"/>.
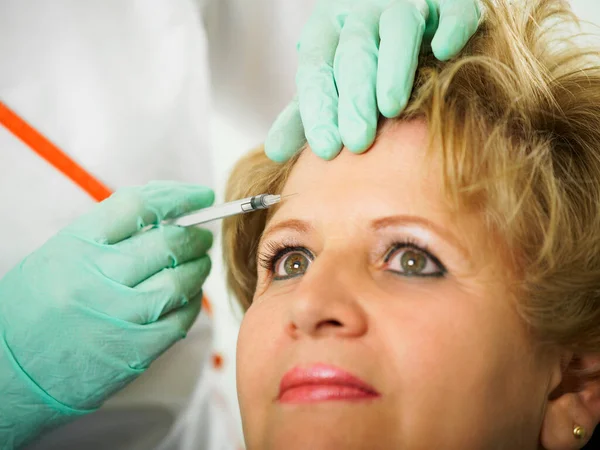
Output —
<point x="516" y="120"/>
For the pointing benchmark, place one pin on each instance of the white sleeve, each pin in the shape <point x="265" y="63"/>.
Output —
<point x="208" y="423"/>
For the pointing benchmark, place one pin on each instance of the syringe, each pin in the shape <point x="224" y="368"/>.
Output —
<point x="242" y="206"/>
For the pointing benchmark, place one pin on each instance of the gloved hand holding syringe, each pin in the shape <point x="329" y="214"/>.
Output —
<point x="111" y="302"/>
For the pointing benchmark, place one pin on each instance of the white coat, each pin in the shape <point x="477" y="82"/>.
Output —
<point x="122" y="86"/>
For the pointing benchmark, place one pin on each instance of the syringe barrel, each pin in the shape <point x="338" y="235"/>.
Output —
<point x="244" y="205"/>
<point x="212" y="213"/>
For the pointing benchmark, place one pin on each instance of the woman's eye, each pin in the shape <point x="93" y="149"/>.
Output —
<point x="290" y="265"/>
<point x="410" y="261"/>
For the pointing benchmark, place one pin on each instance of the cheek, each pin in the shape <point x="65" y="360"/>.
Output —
<point x="257" y="338"/>
<point x="447" y="336"/>
<point x="248" y="361"/>
<point x="453" y="355"/>
<point x="250" y="337"/>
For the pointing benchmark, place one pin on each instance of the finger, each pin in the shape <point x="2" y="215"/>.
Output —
<point x="355" y="68"/>
<point x="162" y="293"/>
<point x="131" y="209"/>
<point x="286" y="136"/>
<point x="145" y="254"/>
<point x="401" y="30"/>
<point x="459" y="20"/>
<point x="317" y="93"/>
<point x="181" y="320"/>
<point x="161" y="335"/>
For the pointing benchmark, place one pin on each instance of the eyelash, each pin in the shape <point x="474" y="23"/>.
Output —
<point x="274" y="251"/>
<point x="410" y="244"/>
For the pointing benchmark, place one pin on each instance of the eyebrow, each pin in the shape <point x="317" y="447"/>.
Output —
<point x="301" y="226"/>
<point x="405" y="220"/>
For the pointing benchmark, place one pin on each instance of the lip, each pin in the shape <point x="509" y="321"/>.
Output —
<point x="322" y="382"/>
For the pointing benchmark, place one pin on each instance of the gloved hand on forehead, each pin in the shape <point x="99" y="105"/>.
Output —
<point x="88" y="312"/>
<point x="358" y="58"/>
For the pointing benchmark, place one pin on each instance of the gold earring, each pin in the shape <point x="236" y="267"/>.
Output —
<point x="578" y="432"/>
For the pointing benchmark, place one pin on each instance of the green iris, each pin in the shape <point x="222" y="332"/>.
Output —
<point x="413" y="262"/>
<point x="295" y="264"/>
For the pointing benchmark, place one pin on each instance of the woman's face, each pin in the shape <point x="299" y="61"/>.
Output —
<point x="383" y="321"/>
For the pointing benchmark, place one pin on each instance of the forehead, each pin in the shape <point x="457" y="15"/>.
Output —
<point x="396" y="173"/>
<point x="398" y="150"/>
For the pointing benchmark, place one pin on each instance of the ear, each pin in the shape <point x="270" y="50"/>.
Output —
<point x="574" y="402"/>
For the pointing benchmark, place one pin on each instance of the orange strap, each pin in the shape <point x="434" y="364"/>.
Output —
<point x="52" y="154"/>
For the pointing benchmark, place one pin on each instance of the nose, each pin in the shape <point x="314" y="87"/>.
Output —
<point x="326" y="302"/>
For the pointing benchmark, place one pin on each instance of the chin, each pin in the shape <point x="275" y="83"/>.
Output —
<point x="321" y="428"/>
<point x="334" y="439"/>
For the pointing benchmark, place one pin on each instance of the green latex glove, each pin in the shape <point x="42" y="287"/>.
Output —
<point x="88" y="311"/>
<point x="358" y="58"/>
